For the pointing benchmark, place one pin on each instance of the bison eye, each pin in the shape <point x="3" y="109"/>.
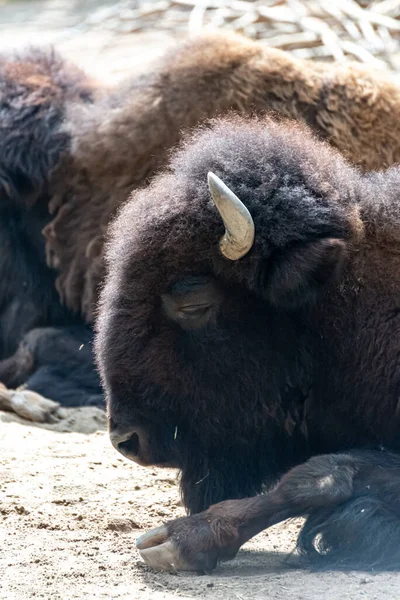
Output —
<point x="190" y="316"/>
<point x="193" y="302"/>
<point x="193" y="311"/>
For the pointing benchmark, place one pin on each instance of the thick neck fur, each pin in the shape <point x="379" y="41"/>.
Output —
<point x="357" y="328"/>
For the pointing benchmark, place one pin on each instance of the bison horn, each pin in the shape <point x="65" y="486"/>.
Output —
<point x="239" y="226"/>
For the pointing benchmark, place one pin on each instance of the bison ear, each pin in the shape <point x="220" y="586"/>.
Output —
<point x="297" y="275"/>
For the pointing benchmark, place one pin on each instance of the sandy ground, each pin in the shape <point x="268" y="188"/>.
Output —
<point x="70" y="506"/>
<point x="71" y="509"/>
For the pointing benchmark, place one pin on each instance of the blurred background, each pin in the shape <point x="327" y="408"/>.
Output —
<point x="112" y="39"/>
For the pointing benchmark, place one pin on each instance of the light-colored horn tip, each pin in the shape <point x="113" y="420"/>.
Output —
<point x="216" y="186"/>
<point x="212" y="178"/>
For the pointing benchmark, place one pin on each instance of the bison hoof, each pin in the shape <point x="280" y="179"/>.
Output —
<point x="29" y="405"/>
<point x="160" y="553"/>
<point x="196" y="543"/>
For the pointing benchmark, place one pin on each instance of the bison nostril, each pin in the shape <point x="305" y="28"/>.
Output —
<point x="133" y="444"/>
<point x="130" y="447"/>
<point x="127" y="443"/>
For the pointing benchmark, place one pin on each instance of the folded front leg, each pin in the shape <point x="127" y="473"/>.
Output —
<point x="346" y="497"/>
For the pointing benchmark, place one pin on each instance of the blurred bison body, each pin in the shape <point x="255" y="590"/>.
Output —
<point x="72" y="151"/>
<point x="35" y="88"/>
<point x="236" y="356"/>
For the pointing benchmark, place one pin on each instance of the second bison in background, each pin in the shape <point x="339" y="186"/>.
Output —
<point x="249" y="324"/>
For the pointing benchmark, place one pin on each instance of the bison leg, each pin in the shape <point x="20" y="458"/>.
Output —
<point x="55" y="362"/>
<point x="28" y="405"/>
<point x="352" y="505"/>
<point x="15" y="370"/>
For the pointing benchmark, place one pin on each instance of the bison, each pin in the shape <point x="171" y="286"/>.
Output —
<point x="249" y="336"/>
<point x="72" y="150"/>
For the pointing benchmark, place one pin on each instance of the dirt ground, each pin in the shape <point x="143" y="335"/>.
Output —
<point x="71" y="509"/>
<point x="70" y="506"/>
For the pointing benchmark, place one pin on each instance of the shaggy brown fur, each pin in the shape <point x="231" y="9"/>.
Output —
<point x="35" y="87"/>
<point x="237" y="371"/>
<point x="119" y="143"/>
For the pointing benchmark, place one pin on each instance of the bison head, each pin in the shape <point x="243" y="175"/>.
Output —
<point x="204" y="340"/>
